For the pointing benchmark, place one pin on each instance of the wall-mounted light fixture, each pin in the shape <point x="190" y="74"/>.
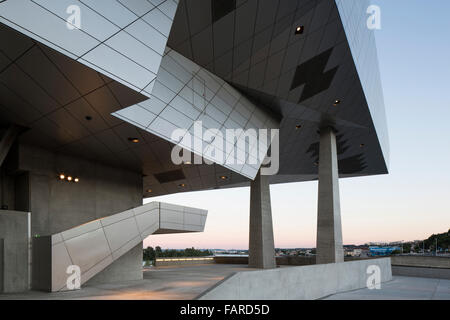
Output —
<point x="68" y="178"/>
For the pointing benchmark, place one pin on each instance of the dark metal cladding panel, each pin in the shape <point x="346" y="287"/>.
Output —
<point x="170" y="176"/>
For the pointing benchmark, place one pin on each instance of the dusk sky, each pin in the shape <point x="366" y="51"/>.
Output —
<point x="410" y="203"/>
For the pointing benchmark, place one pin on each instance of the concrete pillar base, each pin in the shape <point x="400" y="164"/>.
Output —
<point x="329" y="230"/>
<point x="261" y="244"/>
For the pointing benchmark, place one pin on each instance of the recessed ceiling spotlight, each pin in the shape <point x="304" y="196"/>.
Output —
<point x="299" y="29"/>
<point x="134" y="140"/>
<point x="182" y="185"/>
<point x="224" y="178"/>
<point x="336" y="102"/>
<point x="69" y="178"/>
<point x="62" y="176"/>
<point x="149" y="190"/>
<point x="76" y="180"/>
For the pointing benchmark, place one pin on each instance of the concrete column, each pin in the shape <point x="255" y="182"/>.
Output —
<point x="329" y="228"/>
<point x="261" y="244"/>
<point x="15" y="232"/>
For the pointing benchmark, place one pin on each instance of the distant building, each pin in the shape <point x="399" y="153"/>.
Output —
<point x="382" y="251"/>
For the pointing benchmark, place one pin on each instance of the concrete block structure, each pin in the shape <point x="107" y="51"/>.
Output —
<point x="104" y="103"/>
<point x="299" y="283"/>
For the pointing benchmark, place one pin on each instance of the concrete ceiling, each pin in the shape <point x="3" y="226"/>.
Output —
<point x="52" y="95"/>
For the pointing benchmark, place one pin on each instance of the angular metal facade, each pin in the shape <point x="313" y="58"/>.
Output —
<point x="251" y="48"/>
<point x="95" y="245"/>
<point x="362" y="44"/>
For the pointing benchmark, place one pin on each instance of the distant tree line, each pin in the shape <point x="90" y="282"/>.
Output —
<point x="443" y="242"/>
<point x="151" y="254"/>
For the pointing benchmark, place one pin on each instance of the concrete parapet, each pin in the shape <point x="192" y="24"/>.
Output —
<point x="282" y="260"/>
<point x="298" y="283"/>
<point x="421" y="266"/>
<point x="422" y="261"/>
<point x="421" y="272"/>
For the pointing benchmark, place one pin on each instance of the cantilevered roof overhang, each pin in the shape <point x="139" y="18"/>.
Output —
<point x="255" y="46"/>
<point x="55" y="86"/>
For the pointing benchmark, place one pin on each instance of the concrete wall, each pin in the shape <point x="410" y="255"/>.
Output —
<point x="282" y="261"/>
<point x="421" y="261"/>
<point x="42" y="263"/>
<point x="421" y="266"/>
<point x="15" y="231"/>
<point x="59" y="205"/>
<point x="127" y="267"/>
<point x="297" y="283"/>
<point x="230" y="260"/>
<point x="421" y="272"/>
<point x="29" y="181"/>
<point x="296" y="261"/>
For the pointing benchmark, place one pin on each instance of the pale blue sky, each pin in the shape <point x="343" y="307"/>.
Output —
<point x="411" y="202"/>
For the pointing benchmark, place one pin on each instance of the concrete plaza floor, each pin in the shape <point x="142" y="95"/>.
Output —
<point x="187" y="282"/>
<point x="401" y="288"/>
<point x="161" y="283"/>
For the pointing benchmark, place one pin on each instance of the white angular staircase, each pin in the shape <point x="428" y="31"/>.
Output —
<point x="95" y="245"/>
